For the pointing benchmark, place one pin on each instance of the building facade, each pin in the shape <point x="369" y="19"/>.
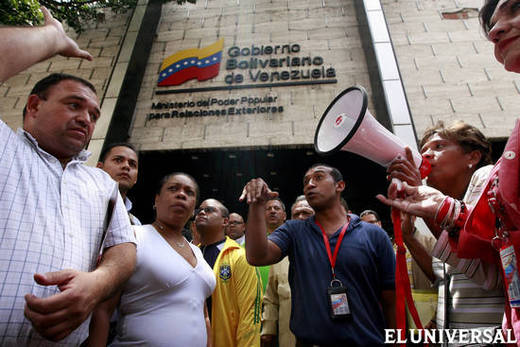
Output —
<point x="280" y="64"/>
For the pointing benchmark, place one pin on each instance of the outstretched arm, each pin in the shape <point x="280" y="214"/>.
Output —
<point x="421" y="201"/>
<point x="259" y="250"/>
<point x="21" y="47"/>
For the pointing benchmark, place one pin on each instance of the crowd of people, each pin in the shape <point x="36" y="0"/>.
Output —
<point x="79" y="269"/>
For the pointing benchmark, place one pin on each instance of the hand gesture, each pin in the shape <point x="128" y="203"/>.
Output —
<point x="404" y="169"/>
<point x="257" y="190"/>
<point x="421" y="201"/>
<point x="57" y="316"/>
<point x="65" y="46"/>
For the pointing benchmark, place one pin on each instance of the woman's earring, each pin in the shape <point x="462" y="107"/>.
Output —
<point x="470" y="166"/>
<point x="153" y="207"/>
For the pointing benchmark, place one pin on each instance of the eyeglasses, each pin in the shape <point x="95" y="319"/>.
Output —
<point x="209" y="209"/>
<point x="236" y="223"/>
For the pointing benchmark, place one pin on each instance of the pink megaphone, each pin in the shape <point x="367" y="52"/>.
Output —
<point x="347" y="125"/>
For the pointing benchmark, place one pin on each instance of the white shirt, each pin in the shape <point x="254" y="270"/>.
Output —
<point x="162" y="304"/>
<point x="50" y="219"/>
<point x="241" y="240"/>
<point x="128" y="205"/>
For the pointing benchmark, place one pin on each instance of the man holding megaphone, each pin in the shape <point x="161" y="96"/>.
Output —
<point x="341" y="270"/>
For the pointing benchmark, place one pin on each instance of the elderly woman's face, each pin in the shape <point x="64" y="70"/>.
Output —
<point x="505" y="33"/>
<point x="447" y="159"/>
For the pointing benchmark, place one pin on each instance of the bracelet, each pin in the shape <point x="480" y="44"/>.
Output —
<point x="459" y="221"/>
<point x="443" y="210"/>
<point x="449" y="221"/>
<point x="451" y="216"/>
<point x="462" y="217"/>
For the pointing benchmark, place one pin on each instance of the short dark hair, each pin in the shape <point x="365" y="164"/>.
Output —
<point x="238" y="214"/>
<point x="42" y="86"/>
<point x="485" y="14"/>
<point x="372" y="212"/>
<point x="223" y="209"/>
<point x="165" y="179"/>
<point x="277" y="199"/>
<point x="335" y="173"/>
<point x="108" y="148"/>
<point x="468" y="137"/>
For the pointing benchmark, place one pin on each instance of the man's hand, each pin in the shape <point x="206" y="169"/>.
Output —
<point x="57" y="316"/>
<point x="257" y="190"/>
<point x="404" y="169"/>
<point x="22" y="47"/>
<point x="421" y="201"/>
<point x="65" y="46"/>
<point x="259" y="251"/>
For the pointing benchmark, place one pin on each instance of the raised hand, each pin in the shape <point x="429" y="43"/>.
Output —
<point x="257" y="190"/>
<point x="65" y="46"/>
<point x="22" y="47"/>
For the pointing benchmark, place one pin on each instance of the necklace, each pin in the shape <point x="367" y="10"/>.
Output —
<point x="163" y="229"/>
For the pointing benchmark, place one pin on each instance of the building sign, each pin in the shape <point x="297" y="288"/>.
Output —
<point x="250" y="67"/>
<point x="202" y="64"/>
<point x="284" y="62"/>
<point x="263" y="66"/>
<point x="245" y="105"/>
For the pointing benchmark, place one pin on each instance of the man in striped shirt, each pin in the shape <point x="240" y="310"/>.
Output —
<point x="56" y="214"/>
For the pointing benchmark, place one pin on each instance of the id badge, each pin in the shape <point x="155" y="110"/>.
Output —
<point x="338" y="300"/>
<point x="511" y="277"/>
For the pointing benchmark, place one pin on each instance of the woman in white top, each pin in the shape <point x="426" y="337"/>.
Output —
<point x="163" y="303"/>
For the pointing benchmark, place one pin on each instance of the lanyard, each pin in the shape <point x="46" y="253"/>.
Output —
<point x="332" y="258"/>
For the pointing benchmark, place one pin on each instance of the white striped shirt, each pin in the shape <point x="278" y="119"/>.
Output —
<point x="475" y="293"/>
<point x="51" y="219"/>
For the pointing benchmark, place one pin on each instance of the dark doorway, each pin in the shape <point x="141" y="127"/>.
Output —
<point x="222" y="174"/>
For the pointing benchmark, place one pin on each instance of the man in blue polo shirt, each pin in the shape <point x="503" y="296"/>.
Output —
<point x="341" y="269"/>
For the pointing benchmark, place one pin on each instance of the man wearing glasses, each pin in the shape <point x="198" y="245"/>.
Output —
<point x="236" y="304"/>
<point x="236" y="228"/>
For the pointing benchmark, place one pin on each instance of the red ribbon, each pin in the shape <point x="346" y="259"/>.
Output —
<point x="403" y="290"/>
